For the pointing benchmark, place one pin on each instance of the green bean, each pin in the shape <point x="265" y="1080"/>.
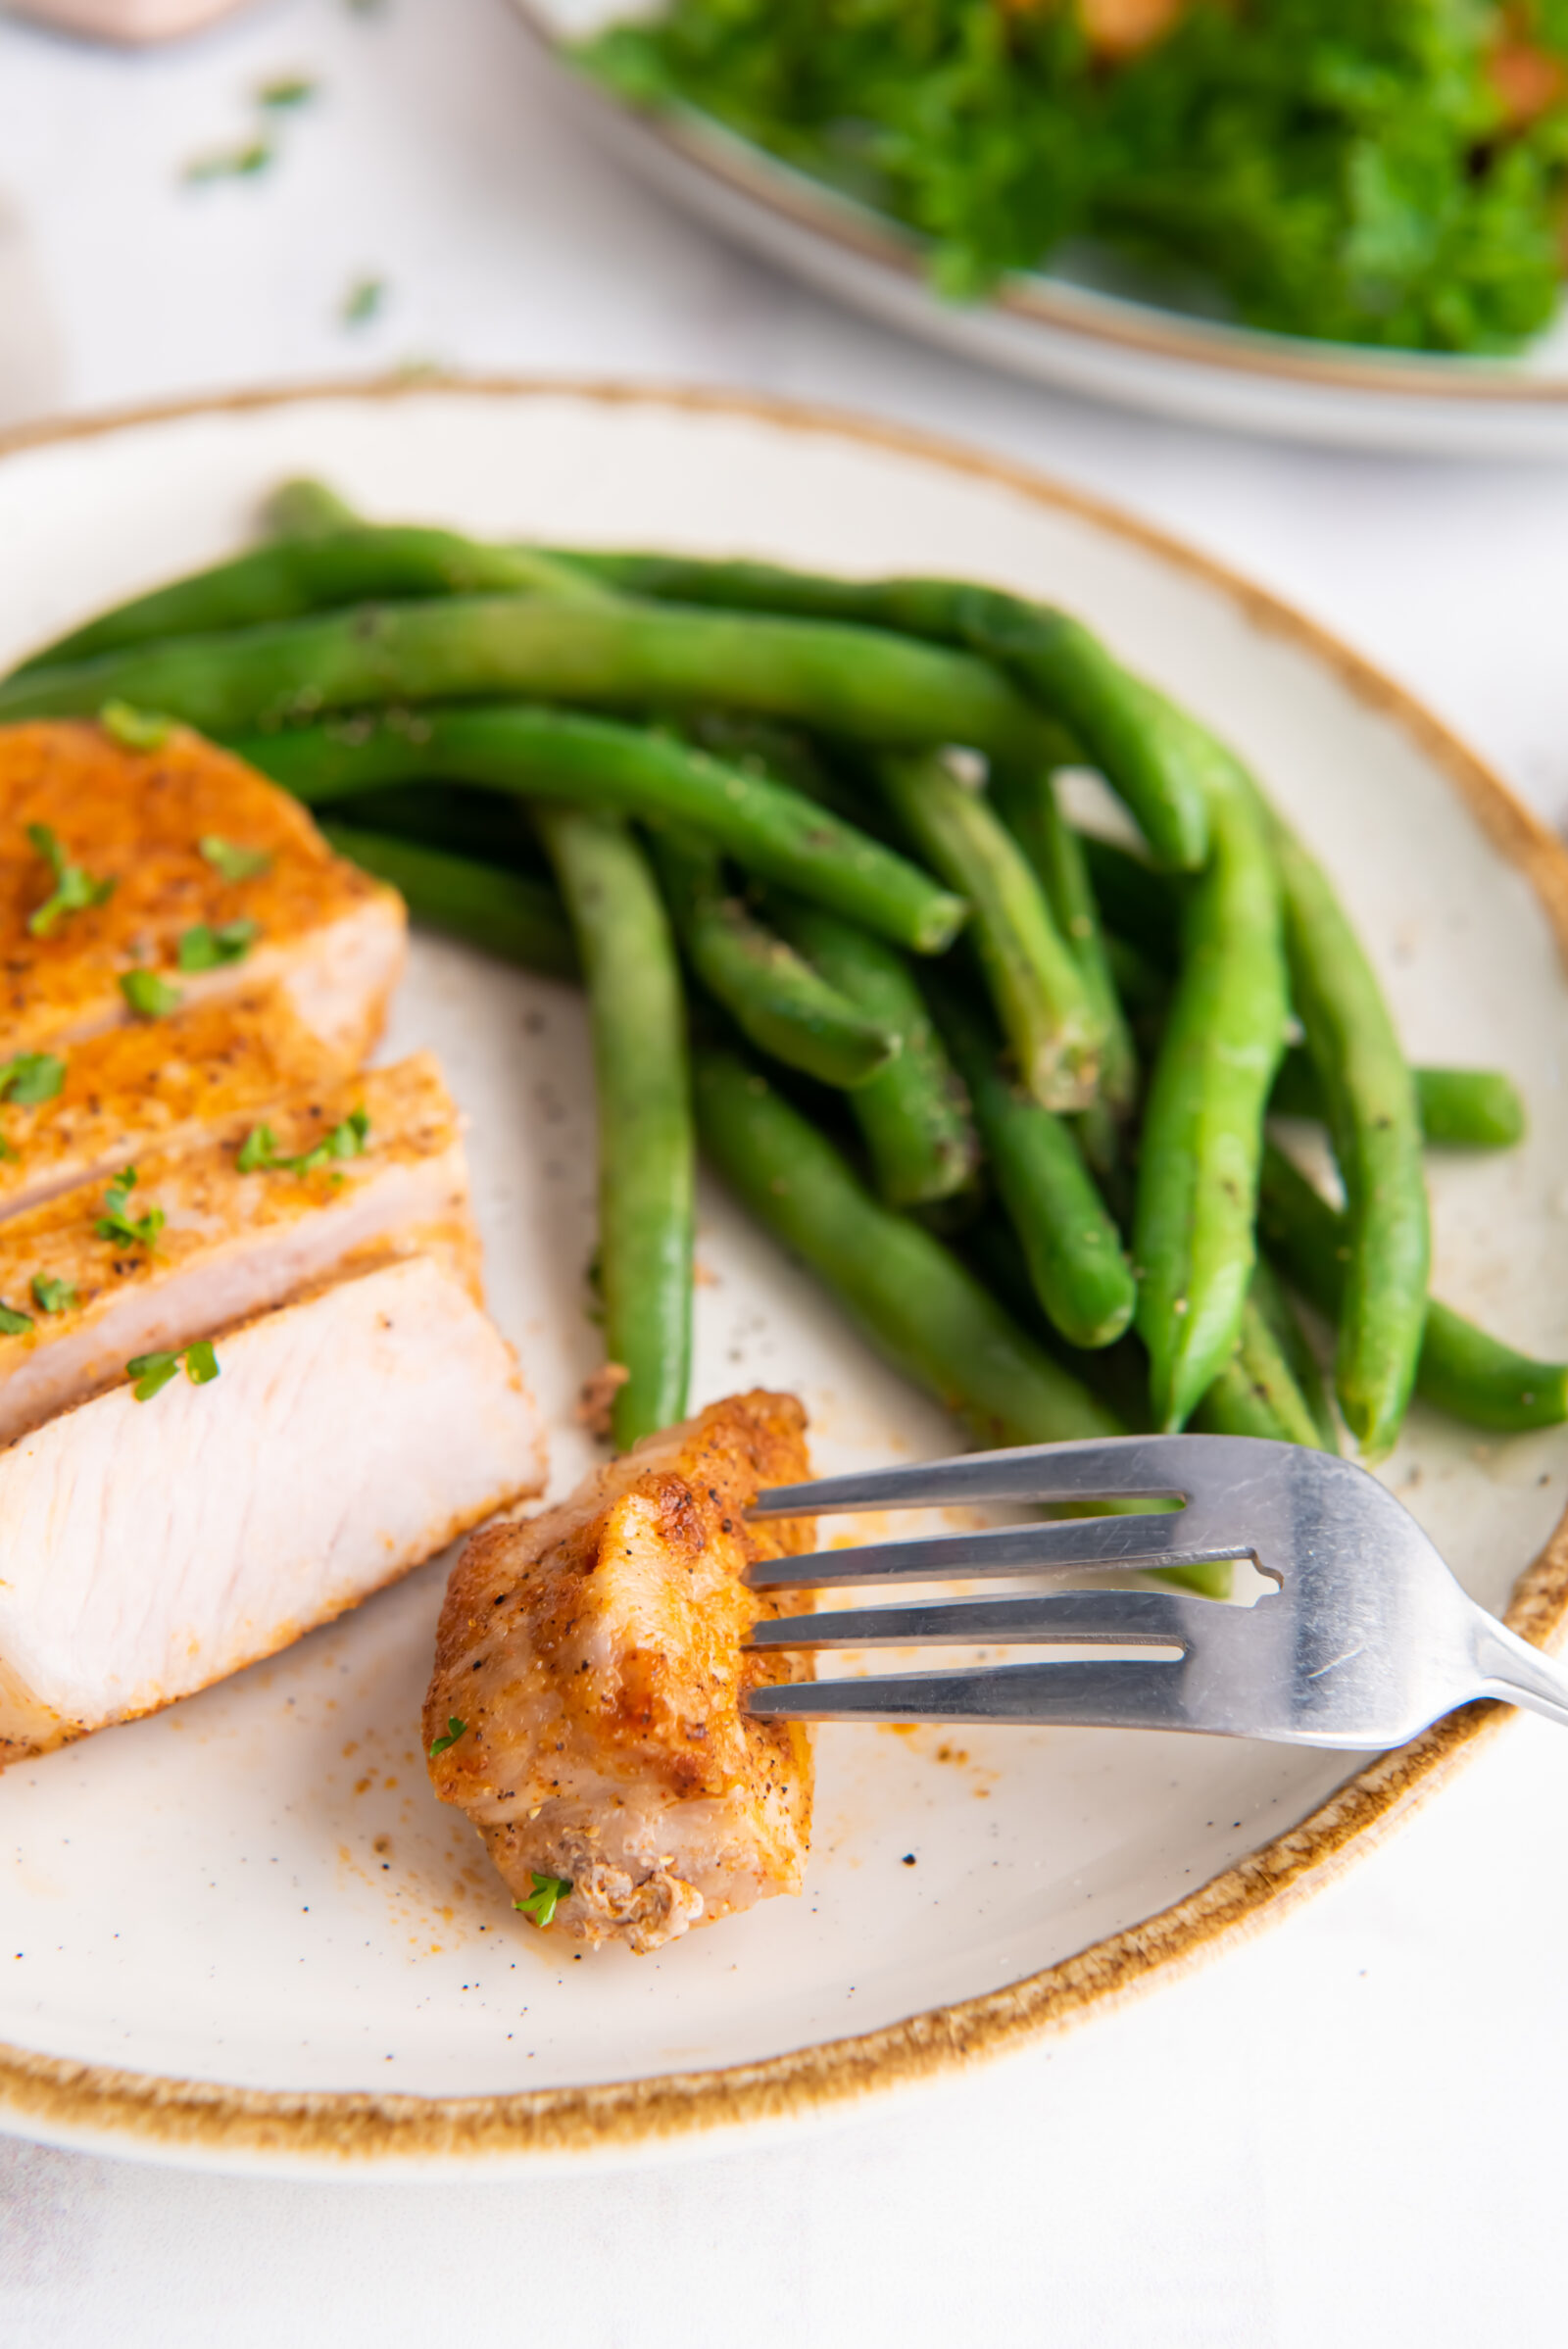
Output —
<point x="506" y="914"/>
<point x="762" y="746"/>
<point x="561" y="754"/>
<point x="646" y="1148"/>
<point x="784" y="1005"/>
<point x="1074" y="1252"/>
<point x="913" y="1115"/>
<point x="295" y="577"/>
<point x="1035" y="981"/>
<point x="1460" y="1370"/>
<point x="1257" y="1394"/>
<point x="1461" y="1108"/>
<point x="1154" y="755"/>
<point x="1027" y="804"/>
<point x="908" y="1294"/>
<point x="1267" y="1296"/>
<point x="1136" y="902"/>
<point x="1144" y="989"/>
<point x="307" y="509"/>
<point x="1375" y="1126"/>
<point x="485" y="826"/>
<point x="864" y="684"/>
<point x="1193" y="1239"/>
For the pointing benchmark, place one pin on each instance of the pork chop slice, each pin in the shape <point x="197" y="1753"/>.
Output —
<point x="216" y="882"/>
<point x="154" y="1547"/>
<point x="588" y="1706"/>
<point x="162" y="1085"/>
<point x="239" y="1232"/>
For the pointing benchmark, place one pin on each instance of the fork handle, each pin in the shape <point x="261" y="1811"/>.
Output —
<point x="1517" y="1673"/>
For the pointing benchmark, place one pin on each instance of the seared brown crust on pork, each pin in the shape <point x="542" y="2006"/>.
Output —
<point x="595" y="1656"/>
<point x="138" y="818"/>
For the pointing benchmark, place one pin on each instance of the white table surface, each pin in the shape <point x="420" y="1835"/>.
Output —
<point x="1347" y="2133"/>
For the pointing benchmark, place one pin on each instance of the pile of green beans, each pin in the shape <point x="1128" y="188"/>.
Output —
<point x="1011" y="1082"/>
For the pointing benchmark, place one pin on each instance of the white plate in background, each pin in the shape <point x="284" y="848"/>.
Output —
<point x="1063" y="328"/>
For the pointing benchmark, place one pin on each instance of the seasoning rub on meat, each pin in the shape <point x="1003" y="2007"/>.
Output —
<point x="204" y="1237"/>
<point x="246" y="1373"/>
<point x="175" y="872"/>
<point x="588" y="1704"/>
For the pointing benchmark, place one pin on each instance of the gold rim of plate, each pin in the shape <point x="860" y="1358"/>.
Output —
<point x="352" y="2131"/>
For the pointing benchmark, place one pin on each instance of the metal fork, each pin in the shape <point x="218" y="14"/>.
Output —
<point x="1367" y="1638"/>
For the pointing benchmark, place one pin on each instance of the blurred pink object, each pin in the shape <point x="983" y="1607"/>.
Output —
<point x="127" y="19"/>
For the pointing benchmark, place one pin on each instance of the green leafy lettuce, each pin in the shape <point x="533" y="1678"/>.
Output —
<point x="1320" y="167"/>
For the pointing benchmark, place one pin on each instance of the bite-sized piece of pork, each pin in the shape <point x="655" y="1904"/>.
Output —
<point x="323" y="930"/>
<point x="154" y="1547"/>
<point x="231" y="1243"/>
<point x="594" y="1659"/>
<point x="162" y="1085"/>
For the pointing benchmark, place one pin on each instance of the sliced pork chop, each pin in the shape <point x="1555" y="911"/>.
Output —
<point x="230" y="1243"/>
<point x="154" y="1547"/>
<point x="195" y="842"/>
<point x="162" y="1085"/>
<point x="590" y="1686"/>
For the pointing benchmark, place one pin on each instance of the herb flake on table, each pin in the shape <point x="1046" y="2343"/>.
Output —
<point x="75" y="889"/>
<point x="365" y="300"/>
<point x="284" y="92"/>
<point x="231" y="163"/>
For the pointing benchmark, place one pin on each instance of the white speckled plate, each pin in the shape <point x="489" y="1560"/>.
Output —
<point x="1079" y="326"/>
<point x="243" y="1931"/>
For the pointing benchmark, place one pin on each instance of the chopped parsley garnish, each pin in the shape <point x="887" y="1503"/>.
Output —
<point x="231" y="163"/>
<point x="152" y="1372"/>
<point x="456" y="1729"/>
<point x="127" y="1231"/>
<point x="363" y="301"/>
<point x="289" y="90"/>
<point x="203" y="948"/>
<point x="74" y="888"/>
<point x="137" y="729"/>
<point x="28" y="1078"/>
<point x="258" y="1152"/>
<point x="14" y="1324"/>
<point x="51" y="1296"/>
<point x="149" y="994"/>
<point x="233" y="863"/>
<point x="546" y="1897"/>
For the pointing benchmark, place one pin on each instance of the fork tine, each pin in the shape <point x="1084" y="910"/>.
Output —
<point x="1104" y="1615"/>
<point x="1087" y="1695"/>
<point x="1163" y="1539"/>
<point x="1114" y="1468"/>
